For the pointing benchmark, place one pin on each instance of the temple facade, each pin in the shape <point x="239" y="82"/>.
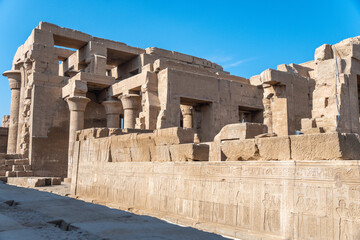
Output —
<point x="176" y="136"/>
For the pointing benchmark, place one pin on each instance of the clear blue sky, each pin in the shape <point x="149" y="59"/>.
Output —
<point x="245" y="37"/>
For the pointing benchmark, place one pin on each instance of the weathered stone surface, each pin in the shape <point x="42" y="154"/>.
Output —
<point x="323" y="52"/>
<point x="189" y="152"/>
<point x="325" y="146"/>
<point x="240" y="150"/>
<point x="274" y="148"/>
<point x="169" y="136"/>
<point x="240" y="131"/>
<point x="3" y="139"/>
<point x="226" y="196"/>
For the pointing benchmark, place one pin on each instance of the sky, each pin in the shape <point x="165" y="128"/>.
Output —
<point x="245" y="37"/>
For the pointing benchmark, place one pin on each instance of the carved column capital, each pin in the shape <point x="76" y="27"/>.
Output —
<point x="112" y="107"/>
<point x="130" y="101"/>
<point x="14" y="77"/>
<point x="186" y="109"/>
<point x="77" y="103"/>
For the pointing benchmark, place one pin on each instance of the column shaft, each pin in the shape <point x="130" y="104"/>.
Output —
<point x="186" y="111"/>
<point x="14" y="121"/>
<point x="113" y="120"/>
<point x="14" y="77"/>
<point x="77" y="105"/>
<point x="129" y="118"/>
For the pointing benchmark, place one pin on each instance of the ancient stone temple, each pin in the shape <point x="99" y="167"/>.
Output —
<point x="175" y="136"/>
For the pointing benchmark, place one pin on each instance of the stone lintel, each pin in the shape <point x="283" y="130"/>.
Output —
<point x="74" y="88"/>
<point x="129" y="84"/>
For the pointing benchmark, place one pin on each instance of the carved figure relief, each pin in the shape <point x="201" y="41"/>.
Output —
<point x="343" y="213"/>
<point x="267" y="212"/>
<point x="300" y="205"/>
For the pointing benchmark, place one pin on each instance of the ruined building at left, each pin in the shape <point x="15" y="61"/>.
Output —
<point x="63" y="80"/>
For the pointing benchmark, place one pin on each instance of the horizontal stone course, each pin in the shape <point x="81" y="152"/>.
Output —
<point x="232" y="197"/>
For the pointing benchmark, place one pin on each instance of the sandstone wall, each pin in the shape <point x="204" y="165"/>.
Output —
<point x="162" y="145"/>
<point x="215" y="97"/>
<point x="163" y="173"/>
<point x="248" y="200"/>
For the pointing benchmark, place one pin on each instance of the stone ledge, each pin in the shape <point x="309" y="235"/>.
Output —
<point x="322" y="146"/>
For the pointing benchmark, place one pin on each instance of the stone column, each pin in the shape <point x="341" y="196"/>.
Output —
<point x="186" y="111"/>
<point x="130" y="104"/>
<point x="113" y="108"/>
<point x="77" y="105"/>
<point x="14" y="77"/>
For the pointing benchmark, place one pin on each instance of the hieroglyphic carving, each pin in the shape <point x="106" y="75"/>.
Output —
<point x="343" y="213"/>
<point x="267" y="212"/>
<point x="300" y="205"/>
<point x="25" y="131"/>
<point x="271" y="222"/>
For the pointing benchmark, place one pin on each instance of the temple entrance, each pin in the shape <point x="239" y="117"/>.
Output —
<point x="196" y="114"/>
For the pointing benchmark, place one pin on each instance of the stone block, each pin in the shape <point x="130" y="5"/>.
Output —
<point x="215" y="153"/>
<point x="27" y="181"/>
<point x="115" y="131"/>
<point x="323" y="52"/>
<point x="24" y="173"/>
<point x="240" y="131"/>
<point x="189" y="152"/>
<point x="274" y="148"/>
<point x="10" y="174"/>
<point x="313" y="130"/>
<point x="271" y="76"/>
<point x="307" y="123"/>
<point x="74" y="88"/>
<point x="175" y="135"/>
<point x="120" y="154"/>
<point x="102" y="132"/>
<point x="21" y="161"/>
<point x="55" y="181"/>
<point x="18" y="168"/>
<point x="86" y="133"/>
<point x="256" y="80"/>
<point x="347" y="49"/>
<point x="9" y="162"/>
<point x="161" y="154"/>
<point x="240" y="150"/>
<point x="141" y="150"/>
<point x="325" y="146"/>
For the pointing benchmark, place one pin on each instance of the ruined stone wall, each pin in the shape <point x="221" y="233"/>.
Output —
<point x="162" y="145"/>
<point x="3" y="139"/>
<point x="311" y="196"/>
<point x="287" y="97"/>
<point x="222" y="99"/>
<point x="43" y="129"/>
<point x="248" y="200"/>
